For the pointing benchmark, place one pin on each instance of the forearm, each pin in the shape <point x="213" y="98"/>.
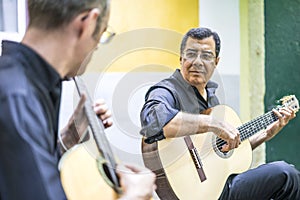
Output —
<point x="186" y="124"/>
<point x="69" y="136"/>
<point x="258" y="139"/>
<point x="283" y="115"/>
<point x="262" y="137"/>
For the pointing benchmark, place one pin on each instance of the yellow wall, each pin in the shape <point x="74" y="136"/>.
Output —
<point x="148" y="32"/>
<point x="176" y="15"/>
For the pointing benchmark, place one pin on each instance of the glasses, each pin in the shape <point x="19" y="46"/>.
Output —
<point x="204" y="56"/>
<point x="107" y="36"/>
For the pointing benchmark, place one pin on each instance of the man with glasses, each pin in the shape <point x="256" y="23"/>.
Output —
<point x="172" y="109"/>
<point x="59" y="41"/>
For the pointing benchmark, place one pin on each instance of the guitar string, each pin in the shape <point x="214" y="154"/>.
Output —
<point x="245" y="130"/>
<point x="250" y="128"/>
<point x="221" y="142"/>
<point x="254" y="126"/>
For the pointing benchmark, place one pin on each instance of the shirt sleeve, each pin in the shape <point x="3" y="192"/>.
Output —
<point x="28" y="160"/>
<point x="158" y="110"/>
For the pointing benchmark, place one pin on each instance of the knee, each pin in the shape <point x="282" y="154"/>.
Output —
<point x="287" y="171"/>
<point x="284" y="167"/>
<point x="290" y="178"/>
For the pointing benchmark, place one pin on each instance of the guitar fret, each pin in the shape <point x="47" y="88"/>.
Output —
<point x="257" y="124"/>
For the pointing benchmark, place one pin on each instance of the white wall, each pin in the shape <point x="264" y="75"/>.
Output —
<point x="223" y="17"/>
<point x="14" y="20"/>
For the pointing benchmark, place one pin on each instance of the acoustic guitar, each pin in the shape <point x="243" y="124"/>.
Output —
<point x="88" y="169"/>
<point x="194" y="167"/>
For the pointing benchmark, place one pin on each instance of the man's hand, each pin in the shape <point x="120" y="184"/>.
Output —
<point x="137" y="183"/>
<point x="228" y="133"/>
<point x="284" y="115"/>
<point x="78" y="122"/>
<point x="102" y="111"/>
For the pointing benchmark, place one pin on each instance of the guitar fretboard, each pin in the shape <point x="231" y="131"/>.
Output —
<point x="250" y="128"/>
<point x="97" y="129"/>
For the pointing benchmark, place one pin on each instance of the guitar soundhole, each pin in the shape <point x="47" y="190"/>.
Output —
<point x="106" y="171"/>
<point x="217" y="146"/>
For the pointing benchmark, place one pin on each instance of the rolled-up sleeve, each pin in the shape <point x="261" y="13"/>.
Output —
<point x="158" y="110"/>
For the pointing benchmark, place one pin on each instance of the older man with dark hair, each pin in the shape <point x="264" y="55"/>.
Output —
<point x="177" y="107"/>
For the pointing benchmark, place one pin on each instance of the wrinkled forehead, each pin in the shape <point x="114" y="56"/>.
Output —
<point x="200" y="44"/>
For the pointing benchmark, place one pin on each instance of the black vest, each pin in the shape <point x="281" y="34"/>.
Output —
<point x="187" y="98"/>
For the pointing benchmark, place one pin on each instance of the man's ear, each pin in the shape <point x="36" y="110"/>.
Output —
<point x="86" y="22"/>
<point x="217" y="60"/>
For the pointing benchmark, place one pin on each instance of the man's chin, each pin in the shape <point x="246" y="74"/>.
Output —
<point x="81" y="70"/>
<point x="79" y="73"/>
<point x="197" y="82"/>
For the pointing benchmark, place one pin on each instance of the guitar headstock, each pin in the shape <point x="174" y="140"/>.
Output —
<point x="290" y="101"/>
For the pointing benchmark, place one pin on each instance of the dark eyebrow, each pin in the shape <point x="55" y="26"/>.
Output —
<point x="204" y="51"/>
<point x="209" y="52"/>
<point x="195" y="50"/>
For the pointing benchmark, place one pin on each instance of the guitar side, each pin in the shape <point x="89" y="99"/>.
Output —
<point x="179" y="175"/>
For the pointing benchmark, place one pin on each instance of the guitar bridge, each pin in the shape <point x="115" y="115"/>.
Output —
<point x="195" y="157"/>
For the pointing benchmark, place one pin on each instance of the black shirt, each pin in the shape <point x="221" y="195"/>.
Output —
<point x="30" y="91"/>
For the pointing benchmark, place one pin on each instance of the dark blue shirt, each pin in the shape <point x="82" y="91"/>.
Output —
<point x="30" y="91"/>
<point x="166" y="98"/>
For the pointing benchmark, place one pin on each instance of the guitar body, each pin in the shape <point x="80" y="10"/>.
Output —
<point x="81" y="178"/>
<point x="177" y="177"/>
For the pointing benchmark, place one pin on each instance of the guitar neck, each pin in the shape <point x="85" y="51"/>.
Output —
<point x="97" y="129"/>
<point x="250" y="128"/>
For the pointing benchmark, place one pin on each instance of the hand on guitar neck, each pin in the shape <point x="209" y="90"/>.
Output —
<point x="75" y="130"/>
<point x="284" y="115"/>
<point x="225" y="131"/>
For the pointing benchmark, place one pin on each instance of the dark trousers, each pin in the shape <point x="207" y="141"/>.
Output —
<point x="276" y="180"/>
